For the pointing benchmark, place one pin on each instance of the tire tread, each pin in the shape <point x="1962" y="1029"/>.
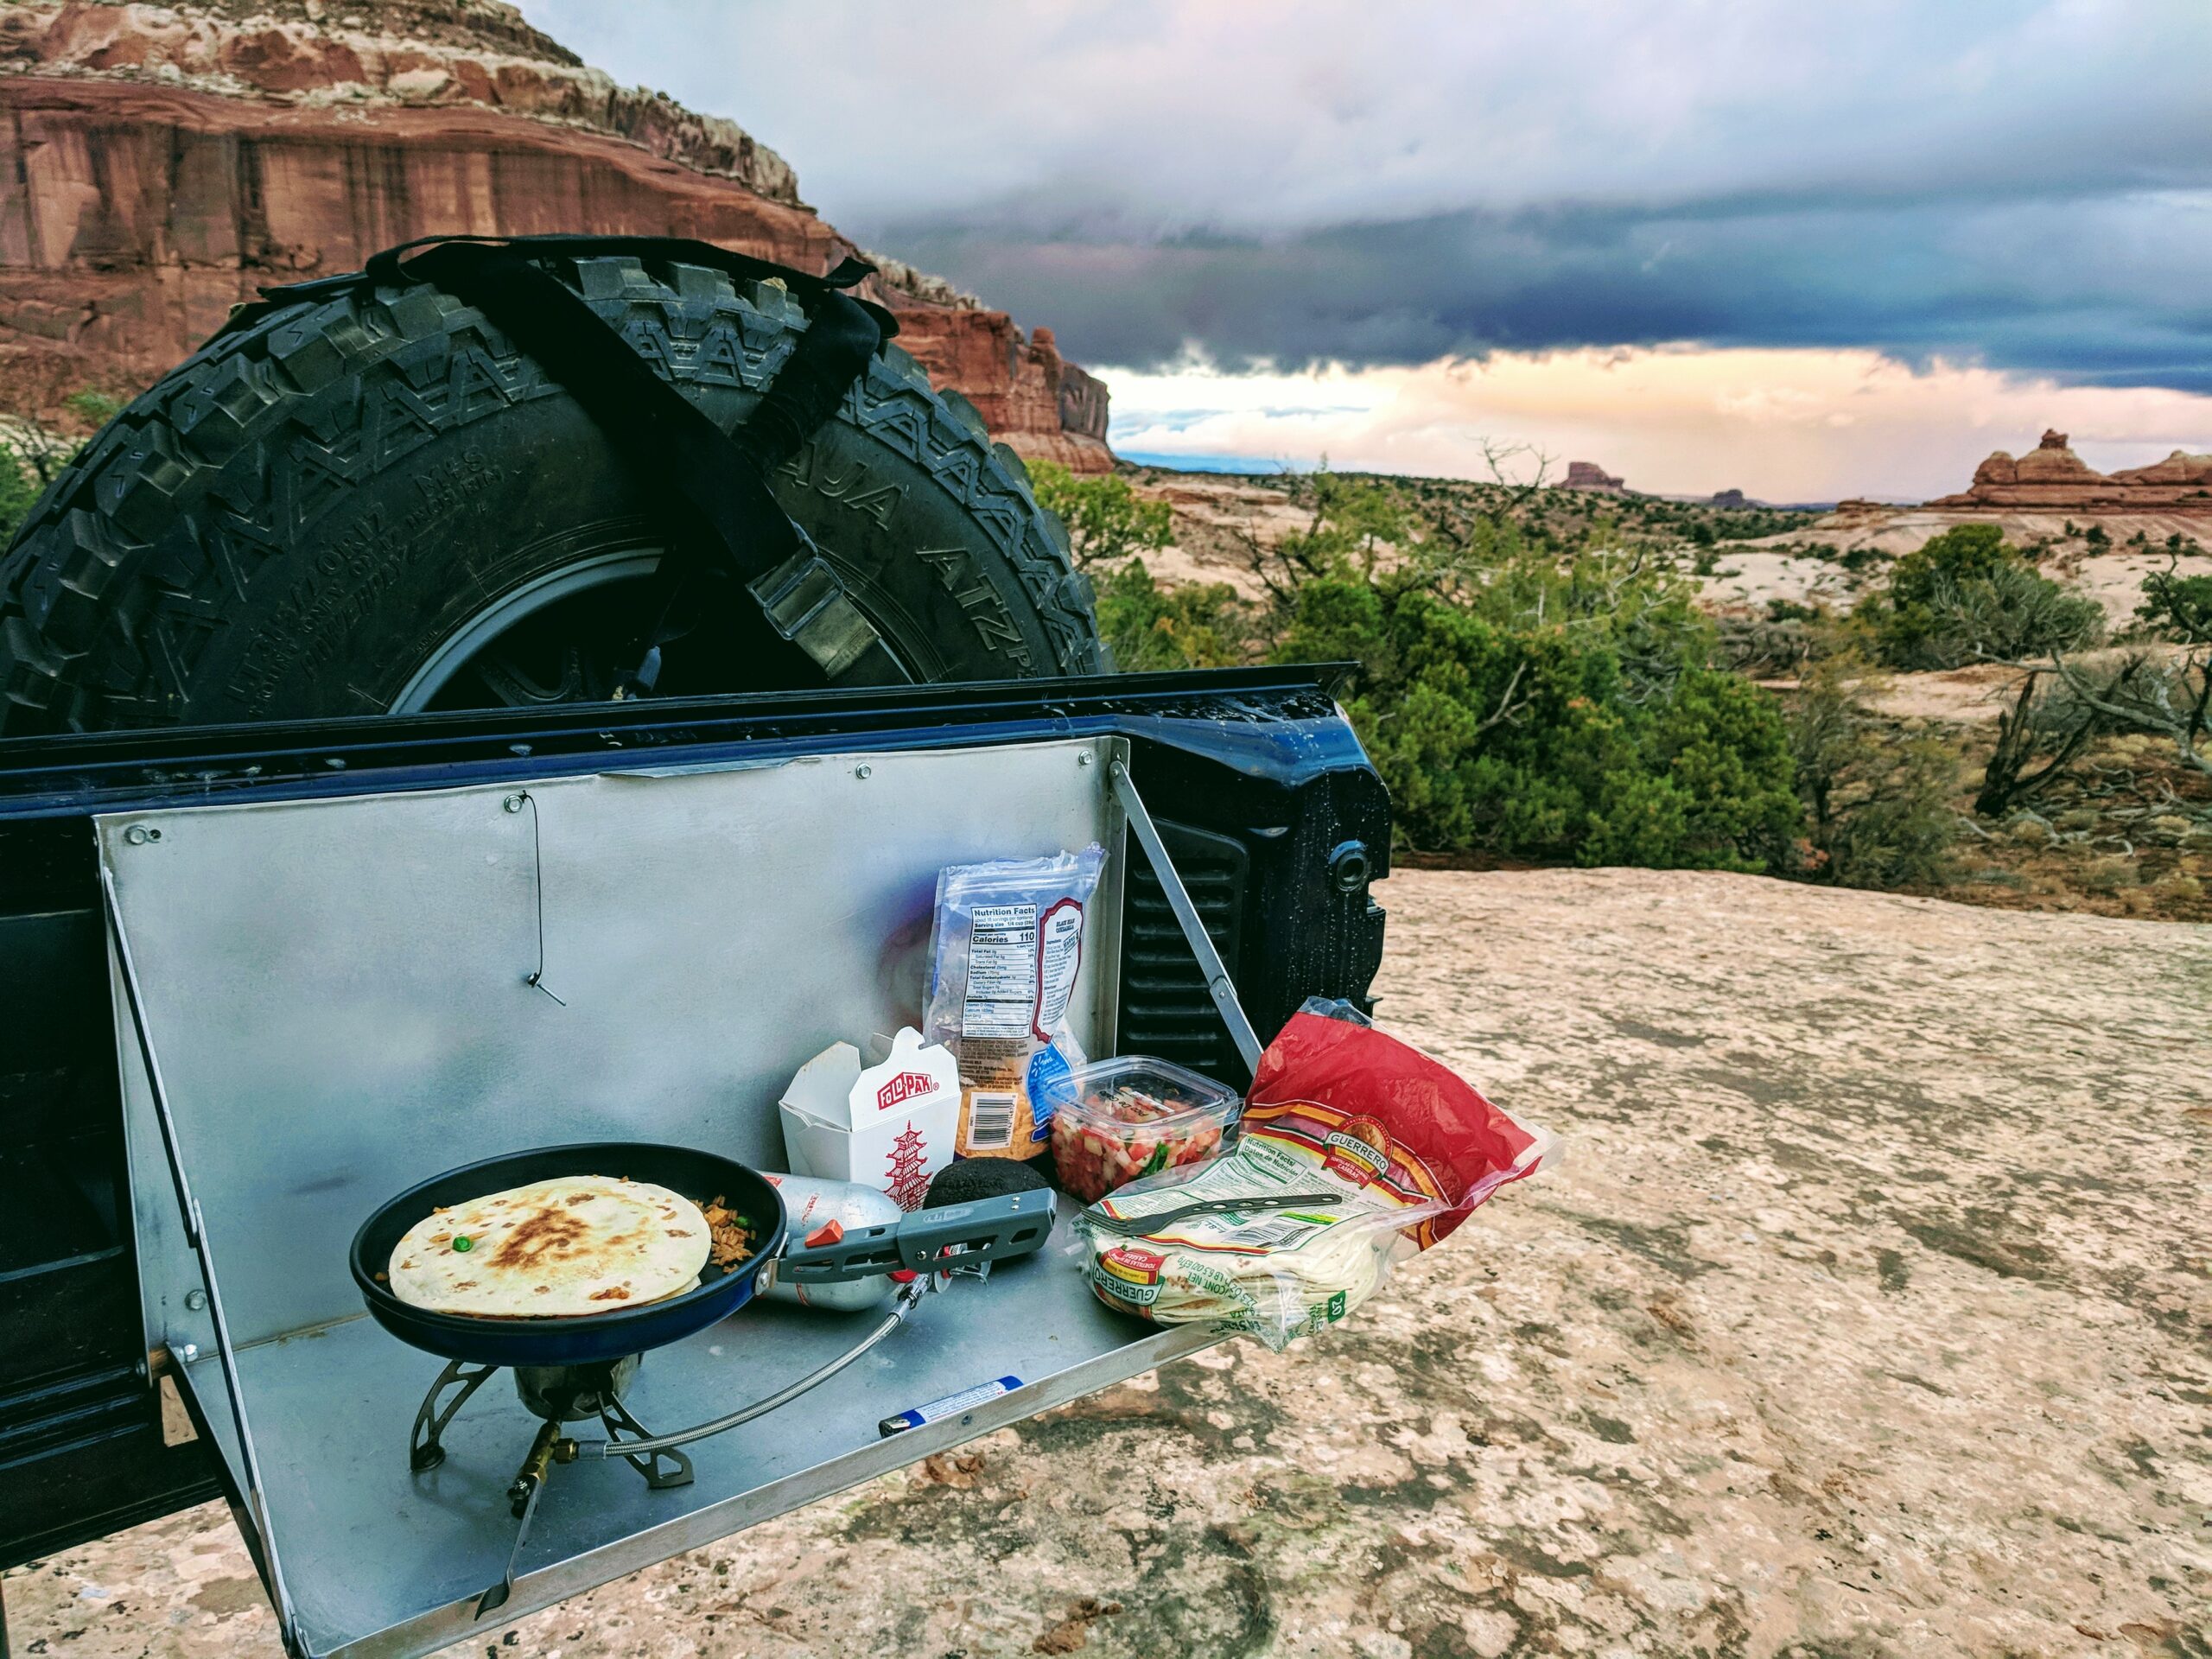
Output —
<point x="104" y="551"/>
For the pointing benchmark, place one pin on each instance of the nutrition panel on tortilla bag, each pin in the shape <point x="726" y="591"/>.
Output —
<point x="1020" y="968"/>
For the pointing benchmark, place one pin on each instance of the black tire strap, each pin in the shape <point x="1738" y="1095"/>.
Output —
<point x="713" y="483"/>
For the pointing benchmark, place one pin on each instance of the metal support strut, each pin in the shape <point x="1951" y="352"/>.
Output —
<point x="1219" y="986"/>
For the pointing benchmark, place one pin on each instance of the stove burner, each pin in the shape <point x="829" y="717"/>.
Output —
<point x="558" y="1395"/>
<point x="569" y="1394"/>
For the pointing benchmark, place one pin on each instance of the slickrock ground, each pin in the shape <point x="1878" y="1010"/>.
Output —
<point x="1866" y="1315"/>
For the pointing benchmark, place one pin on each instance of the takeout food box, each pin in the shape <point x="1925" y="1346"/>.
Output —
<point x="889" y="1125"/>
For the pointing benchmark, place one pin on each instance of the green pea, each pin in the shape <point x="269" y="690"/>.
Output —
<point x="462" y="1244"/>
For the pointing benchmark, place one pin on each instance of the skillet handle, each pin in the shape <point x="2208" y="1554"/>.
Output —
<point x="929" y="1241"/>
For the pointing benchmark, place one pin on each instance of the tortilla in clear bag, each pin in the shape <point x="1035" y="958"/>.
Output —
<point x="1357" y="1151"/>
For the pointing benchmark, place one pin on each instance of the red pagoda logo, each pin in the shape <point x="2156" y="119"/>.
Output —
<point x="910" y="1182"/>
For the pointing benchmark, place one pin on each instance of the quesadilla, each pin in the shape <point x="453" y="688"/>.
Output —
<point x="562" y="1249"/>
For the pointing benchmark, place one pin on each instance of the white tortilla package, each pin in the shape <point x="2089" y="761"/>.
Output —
<point x="1357" y="1151"/>
<point x="1004" y="952"/>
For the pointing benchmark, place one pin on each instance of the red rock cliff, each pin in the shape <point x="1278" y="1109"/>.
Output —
<point x="160" y="164"/>
<point x="2052" y="475"/>
<point x="1589" y="475"/>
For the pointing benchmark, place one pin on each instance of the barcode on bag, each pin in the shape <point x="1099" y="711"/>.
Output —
<point x="990" y="1121"/>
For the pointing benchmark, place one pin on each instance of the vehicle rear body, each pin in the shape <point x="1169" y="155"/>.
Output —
<point x="1264" y="797"/>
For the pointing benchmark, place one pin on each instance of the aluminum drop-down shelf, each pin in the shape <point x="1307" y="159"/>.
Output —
<point x="344" y="996"/>
<point x="380" y="1561"/>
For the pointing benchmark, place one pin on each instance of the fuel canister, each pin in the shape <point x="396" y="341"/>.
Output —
<point x="813" y="1206"/>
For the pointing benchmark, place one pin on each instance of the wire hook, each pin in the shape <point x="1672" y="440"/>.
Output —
<point x="535" y="978"/>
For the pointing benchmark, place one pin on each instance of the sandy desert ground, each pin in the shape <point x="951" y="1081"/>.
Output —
<point x="1865" y="1315"/>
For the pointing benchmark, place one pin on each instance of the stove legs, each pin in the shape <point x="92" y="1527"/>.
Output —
<point x="555" y="1395"/>
<point x="424" y="1450"/>
<point x="461" y="1378"/>
<point x="661" y="1469"/>
<point x="529" y="1485"/>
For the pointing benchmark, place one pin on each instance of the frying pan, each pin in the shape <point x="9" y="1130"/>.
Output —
<point x="926" y="1241"/>
<point x="699" y="1176"/>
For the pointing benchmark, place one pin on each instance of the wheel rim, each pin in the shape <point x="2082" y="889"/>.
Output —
<point x="571" y="635"/>
<point x="460" y="651"/>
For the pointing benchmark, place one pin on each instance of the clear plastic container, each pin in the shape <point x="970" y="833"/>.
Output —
<point x="1120" y="1119"/>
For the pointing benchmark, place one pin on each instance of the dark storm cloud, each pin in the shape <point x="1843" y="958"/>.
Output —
<point x="2023" y="182"/>
<point x="2083" y="289"/>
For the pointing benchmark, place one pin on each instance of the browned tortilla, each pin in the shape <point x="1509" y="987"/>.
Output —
<point x="580" y="1245"/>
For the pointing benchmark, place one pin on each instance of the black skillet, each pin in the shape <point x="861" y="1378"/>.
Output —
<point x="929" y="1240"/>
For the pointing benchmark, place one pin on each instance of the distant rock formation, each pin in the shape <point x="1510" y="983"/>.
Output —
<point x="2052" y="476"/>
<point x="159" y="164"/>
<point x="1731" y="500"/>
<point x="1589" y="475"/>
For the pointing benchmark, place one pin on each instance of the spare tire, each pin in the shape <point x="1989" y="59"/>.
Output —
<point x="375" y="502"/>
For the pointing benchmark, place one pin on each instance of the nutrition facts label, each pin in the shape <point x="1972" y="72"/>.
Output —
<point x="1002" y="972"/>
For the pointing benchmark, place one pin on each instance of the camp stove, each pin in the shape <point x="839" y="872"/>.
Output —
<point x="572" y="1370"/>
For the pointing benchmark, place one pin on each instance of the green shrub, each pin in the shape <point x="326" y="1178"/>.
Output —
<point x="1877" y="800"/>
<point x="93" y="407"/>
<point x="1898" y="830"/>
<point x="1966" y="596"/>
<point x="1151" y="627"/>
<point x="1105" y="518"/>
<point x="1557" y="712"/>
<point x="2178" y="607"/>
<point x="18" y="493"/>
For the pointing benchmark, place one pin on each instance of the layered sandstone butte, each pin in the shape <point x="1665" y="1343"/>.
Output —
<point x="160" y="164"/>
<point x="2052" y="476"/>
<point x="1589" y="475"/>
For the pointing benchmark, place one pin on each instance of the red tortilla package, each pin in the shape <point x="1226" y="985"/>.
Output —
<point x="1430" y="1135"/>
<point x="1357" y="1151"/>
